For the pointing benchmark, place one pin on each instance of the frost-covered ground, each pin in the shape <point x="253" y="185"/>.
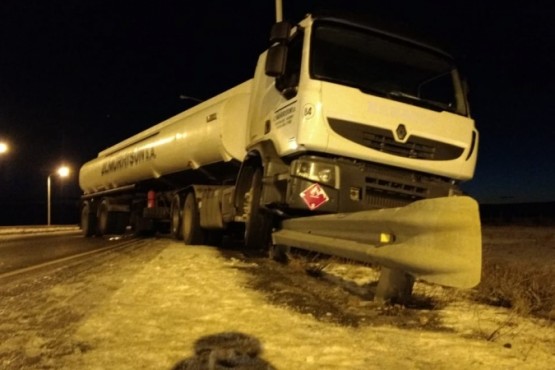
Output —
<point x="188" y="293"/>
<point x="187" y="297"/>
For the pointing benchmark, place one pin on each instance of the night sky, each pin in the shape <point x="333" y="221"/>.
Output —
<point x="79" y="76"/>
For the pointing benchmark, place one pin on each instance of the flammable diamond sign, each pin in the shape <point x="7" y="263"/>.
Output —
<point x="314" y="196"/>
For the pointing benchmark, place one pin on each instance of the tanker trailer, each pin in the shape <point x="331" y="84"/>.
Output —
<point x="135" y="181"/>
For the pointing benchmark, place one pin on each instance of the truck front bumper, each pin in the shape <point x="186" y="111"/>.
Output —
<point x="327" y="185"/>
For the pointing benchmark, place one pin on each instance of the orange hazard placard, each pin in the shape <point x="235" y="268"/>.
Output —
<point x="314" y="196"/>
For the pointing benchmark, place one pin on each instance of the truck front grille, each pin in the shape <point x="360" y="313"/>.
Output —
<point x="383" y="140"/>
<point x="386" y="186"/>
<point x="385" y="191"/>
<point x="400" y="189"/>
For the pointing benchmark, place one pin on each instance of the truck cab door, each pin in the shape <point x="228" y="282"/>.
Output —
<point x="275" y="85"/>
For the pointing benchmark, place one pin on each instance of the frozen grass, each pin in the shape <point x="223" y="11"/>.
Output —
<point x="526" y="288"/>
<point x="518" y="269"/>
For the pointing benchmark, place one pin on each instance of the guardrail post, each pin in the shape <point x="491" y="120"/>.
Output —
<point x="394" y="286"/>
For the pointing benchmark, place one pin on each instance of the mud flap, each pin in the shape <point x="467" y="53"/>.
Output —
<point x="437" y="240"/>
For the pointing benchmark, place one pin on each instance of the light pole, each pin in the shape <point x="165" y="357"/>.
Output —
<point x="63" y="171"/>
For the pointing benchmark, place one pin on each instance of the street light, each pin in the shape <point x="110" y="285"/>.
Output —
<point x="63" y="171"/>
<point x="4" y="147"/>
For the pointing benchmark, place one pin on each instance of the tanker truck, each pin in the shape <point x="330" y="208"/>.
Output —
<point x="350" y="140"/>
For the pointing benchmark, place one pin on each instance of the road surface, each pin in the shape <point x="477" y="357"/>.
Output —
<point x="20" y="253"/>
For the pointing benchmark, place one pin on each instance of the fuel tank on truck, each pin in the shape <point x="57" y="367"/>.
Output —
<point x="213" y="131"/>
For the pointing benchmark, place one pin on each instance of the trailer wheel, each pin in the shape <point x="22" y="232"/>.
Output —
<point x="176" y="218"/>
<point x="258" y="226"/>
<point x="88" y="220"/>
<point x="103" y="219"/>
<point x="192" y="232"/>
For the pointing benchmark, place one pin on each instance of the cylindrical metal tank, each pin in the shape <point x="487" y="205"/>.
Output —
<point x="213" y="131"/>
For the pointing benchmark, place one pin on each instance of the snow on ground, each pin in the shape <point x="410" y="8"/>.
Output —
<point x="188" y="293"/>
<point x="36" y="229"/>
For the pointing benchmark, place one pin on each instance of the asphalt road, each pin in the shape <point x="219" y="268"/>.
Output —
<point x="55" y="282"/>
<point x="28" y="251"/>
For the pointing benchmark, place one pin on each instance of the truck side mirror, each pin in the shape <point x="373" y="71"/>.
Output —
<point x="280" y="32"/>
<point x="276" y="60"/>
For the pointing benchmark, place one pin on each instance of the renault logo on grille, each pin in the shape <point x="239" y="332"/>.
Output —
<point x="401" y="132"/>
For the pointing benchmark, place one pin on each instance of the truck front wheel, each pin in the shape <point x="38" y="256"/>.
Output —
<point x="258" y="226"/>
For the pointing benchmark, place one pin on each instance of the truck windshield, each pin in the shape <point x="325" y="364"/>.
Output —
<point x="385" y="66"/>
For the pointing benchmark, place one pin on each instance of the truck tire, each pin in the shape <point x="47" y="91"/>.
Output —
<point x="176" y="221"/>
<point x="258" y="226"/>
<point x="191" y="230"/>
<point x="88" y="220"/>
<point x="103" y="219"/>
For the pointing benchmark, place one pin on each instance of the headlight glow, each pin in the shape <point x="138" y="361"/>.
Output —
<point x="324" y="173"/>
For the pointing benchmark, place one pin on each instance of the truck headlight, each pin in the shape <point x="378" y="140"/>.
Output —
<point x="323" y="173"/>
